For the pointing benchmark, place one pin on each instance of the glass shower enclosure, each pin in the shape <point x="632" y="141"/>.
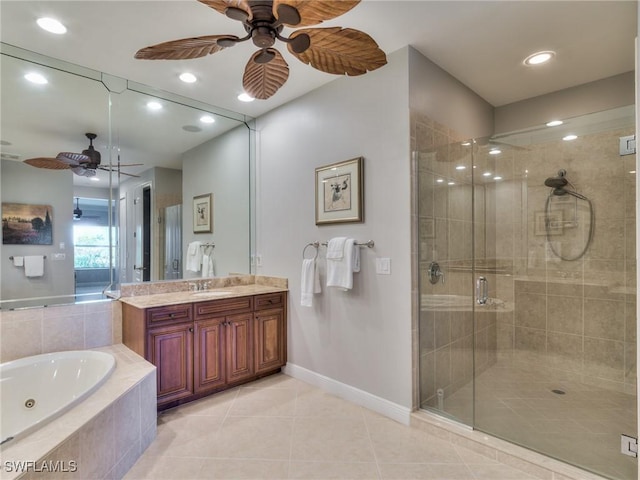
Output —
<point x="527" y="323"/>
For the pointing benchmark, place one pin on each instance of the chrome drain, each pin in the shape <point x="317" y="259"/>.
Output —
<point x="30" y="403"/>
<point x="558" y="392"/>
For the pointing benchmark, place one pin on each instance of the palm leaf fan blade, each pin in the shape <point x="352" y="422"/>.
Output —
<point x="183" y="49"/>
<point x="49" y="163"/>
<point x="222" y="5"/>
<point x="340" y="51"/>
<point x="316" y="11"/>
<point x="262" y="80"/>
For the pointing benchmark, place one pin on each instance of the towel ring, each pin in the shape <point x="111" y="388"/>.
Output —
<point x="314" y="245"/>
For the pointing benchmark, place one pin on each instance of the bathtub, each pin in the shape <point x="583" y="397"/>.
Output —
<point x="35" y="390"/>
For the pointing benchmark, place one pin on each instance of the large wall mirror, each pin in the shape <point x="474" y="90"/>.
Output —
<point x="174" y="175"/>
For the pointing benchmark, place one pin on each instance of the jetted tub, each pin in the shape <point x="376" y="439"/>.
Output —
<point x="35" y="390"/>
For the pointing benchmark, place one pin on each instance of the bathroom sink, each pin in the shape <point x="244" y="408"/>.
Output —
<point x="210" y="293"/>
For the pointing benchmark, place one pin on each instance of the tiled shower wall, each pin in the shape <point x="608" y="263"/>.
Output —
<point x="576" y="318"/>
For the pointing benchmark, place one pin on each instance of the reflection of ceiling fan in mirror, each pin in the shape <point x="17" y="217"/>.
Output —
<point x="334" y="50"/>
<point x="84" y="164"/>
<point x="77" y="212"/>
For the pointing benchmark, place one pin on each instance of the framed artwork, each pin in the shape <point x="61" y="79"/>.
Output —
<point x="24" y="224"/>
<point x="555" y="223"/>
<point x="203" y="213"/>
<point x="340" y="192"/>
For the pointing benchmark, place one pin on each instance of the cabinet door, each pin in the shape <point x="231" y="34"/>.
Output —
<point x="239" y="339"/>
<point x="270" y="336"/>
<point x="209" y="354"/>
<point x="170" y="349"/>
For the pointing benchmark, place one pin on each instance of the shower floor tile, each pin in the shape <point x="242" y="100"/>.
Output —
<point x="581" y="426"/>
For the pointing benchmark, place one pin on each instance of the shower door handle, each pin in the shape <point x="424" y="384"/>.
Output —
<point x="482" y="291"/>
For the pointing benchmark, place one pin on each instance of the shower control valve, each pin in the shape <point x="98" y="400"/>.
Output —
<point x="435" y="273"/>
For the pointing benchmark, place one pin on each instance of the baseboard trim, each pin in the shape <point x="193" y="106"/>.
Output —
<point x="360" y="397"/>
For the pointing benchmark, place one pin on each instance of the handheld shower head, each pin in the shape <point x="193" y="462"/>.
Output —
<point x="557" y="182"/>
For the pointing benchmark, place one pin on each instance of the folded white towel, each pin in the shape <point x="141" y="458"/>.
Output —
<point x="34" y="266"/>
<point x="18" y="261"/>
<point x="310" y="282"/>
<point x="194" y="257"/>
<point x="335" y="248"/>
<point x="340" y="271"/>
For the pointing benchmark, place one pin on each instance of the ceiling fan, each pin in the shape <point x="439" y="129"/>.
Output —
<point x="84" y="164"/>
<point x="77" y="212"/>
<point x="334" y="50"/>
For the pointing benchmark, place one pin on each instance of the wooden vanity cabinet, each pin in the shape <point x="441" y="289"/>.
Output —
<point x="203" y="347"/>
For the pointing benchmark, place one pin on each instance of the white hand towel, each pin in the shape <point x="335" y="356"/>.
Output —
<point x="18" y="261"/>
<point x="335" y="248"/>
<point x="207" y="265"/>
<point x="34" y="266"/>
<point x="194" y="257"/>
<point x="340" y="271"/>
<point x="310" y="282"/>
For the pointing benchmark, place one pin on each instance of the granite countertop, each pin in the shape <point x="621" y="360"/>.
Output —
<point x="175" y="298"/>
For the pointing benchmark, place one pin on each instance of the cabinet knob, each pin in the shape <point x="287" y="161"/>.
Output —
<point x="191" y="329"/>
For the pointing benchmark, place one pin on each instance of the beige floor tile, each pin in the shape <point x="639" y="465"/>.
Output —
<point x="267" y="438"/>
<point x="333" y="471"/>
<point x="271" y="402"/>
<point x="185" y="436"/>
<point x="424" y="471"/>
<point x="331" y="440"/>
<point x="499" y="472"/>
<point x="316" y="403"/>
<point x="244" y="469"/>
<point x="151" y="467"/>
<point x="216" y="405"/>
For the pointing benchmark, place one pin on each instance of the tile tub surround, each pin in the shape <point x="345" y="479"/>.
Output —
<point x="104" y="435"/>
<point x="32" y="331"/>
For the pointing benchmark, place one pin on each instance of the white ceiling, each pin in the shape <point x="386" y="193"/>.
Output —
<point x="481" y="43"/>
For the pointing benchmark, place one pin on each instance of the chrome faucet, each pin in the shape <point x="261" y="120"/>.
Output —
<point x="435" y="273"/>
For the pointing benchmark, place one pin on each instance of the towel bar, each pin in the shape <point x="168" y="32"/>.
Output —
<point x="11" y="257"/>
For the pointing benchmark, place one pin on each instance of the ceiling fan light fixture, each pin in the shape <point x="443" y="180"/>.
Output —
<point x="51" y="25"/>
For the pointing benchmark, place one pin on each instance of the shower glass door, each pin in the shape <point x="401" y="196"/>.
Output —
<point x="554" y="252"/>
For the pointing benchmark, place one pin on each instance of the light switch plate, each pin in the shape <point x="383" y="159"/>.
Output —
<point x="383" y="266"/>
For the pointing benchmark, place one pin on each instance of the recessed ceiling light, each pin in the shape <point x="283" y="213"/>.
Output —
<point x="539" y="58"/>
<point x="94" y="179"/>
<point x="451" y="183"/>
<point x="36" y="78"/>
<point x="497" y="178"/>
<point x="187" y="77"/>
<point x="465" y="144"/>
<point x="245" y="97"/>
<point x="486" y="174"/>
<point x="207" y="119"/>
<point x="440" y="180"/>
<point x="495" y="151"/>
<point x="568" y="138"/>
<point x="51" y="25"/>
<point x="632" y="171"/>
<point x="153" y="105"/>
<point x="554" y="123"/>
<point x="461" y="167"/>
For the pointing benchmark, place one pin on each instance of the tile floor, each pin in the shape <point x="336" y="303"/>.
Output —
<point x="282" y="428"/>
<point x="581" y="426"/>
